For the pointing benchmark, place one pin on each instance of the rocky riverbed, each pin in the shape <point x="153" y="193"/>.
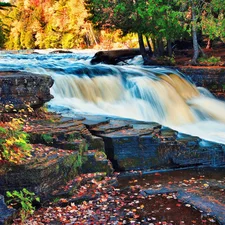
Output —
<point x="71" y="171"/>
<point x="73" y="160"/>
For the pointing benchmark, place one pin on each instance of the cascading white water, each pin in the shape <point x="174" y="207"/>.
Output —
<point x="141" y="93"/>
<point x="142" y="97"/>
<point x="148" y="94"/>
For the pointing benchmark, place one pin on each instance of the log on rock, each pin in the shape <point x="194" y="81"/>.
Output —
<point x="114" y="56"/>
<point x="60" y="51"/>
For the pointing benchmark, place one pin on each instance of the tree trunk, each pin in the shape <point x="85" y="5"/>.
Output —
<point x="194" y="35"/>
<point x="93" y="35"/>
<point x="160" y="47"/>
<point x="209" y="44"/>
<point x="169" y="48"/>
<point x="157" y="47"/>
<point x="202" y="52"/>
<point x="154" y="46"/>
<point x="142" y="48"/>
<point x="150" y="52"/>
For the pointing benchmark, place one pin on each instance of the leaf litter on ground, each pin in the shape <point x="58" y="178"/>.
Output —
<point x="98" y="199"/>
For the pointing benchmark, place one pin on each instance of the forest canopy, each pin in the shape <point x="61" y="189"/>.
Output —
<point x="162" y="21"/>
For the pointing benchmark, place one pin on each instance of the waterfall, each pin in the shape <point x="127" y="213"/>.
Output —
<point x="135" y="92"/>
<point x="147" y="94"/>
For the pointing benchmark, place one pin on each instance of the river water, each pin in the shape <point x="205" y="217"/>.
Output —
<point x="129" y="91"/>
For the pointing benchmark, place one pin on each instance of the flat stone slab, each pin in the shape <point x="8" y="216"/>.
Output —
<point x="47" y="168"/>
<point x="64" y="132"/>
<point x="90" y="123"/>
<point x="134" y="145"/>
<point x="110" y="126"/>
<point x="60" y="132"/>
<point x="207" y="204"/>
<point x="202" y="188"/>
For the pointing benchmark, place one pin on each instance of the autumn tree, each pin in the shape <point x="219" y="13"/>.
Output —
<point x="47" y="24"/>
<point x="63" y="23"/>
<point x="4" y="6"/>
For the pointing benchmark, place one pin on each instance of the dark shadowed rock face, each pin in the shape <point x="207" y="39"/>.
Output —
<point x="211" y="79"/>
<point x="20" y="88"/>
<point x="6" y="214"/>
<point x="136" y="145"/>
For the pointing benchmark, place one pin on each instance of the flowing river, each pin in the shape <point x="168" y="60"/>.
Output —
<point x="129" y="91"/>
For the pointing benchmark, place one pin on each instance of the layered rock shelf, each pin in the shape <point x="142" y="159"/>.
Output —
<point x="61" y="149"/>
<point x="133" y="145"/>
<point x="21" y="88"/>
<point x="65" y="147"/>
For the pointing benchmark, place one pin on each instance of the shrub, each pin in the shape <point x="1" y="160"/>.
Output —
<point x="210" y="60"/>
<point x="14" y="145"/>
<point x="24" y="200"/>
<point x="166" y="60"/>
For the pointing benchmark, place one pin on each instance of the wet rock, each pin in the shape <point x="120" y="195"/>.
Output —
<point x="207" y="204"/>
<point x="212" y="79"/>
<point x="96" y="143"/>
<point x="6" y="214"/>
<point x="110" y="127"/>
<point x="96" y="162"/>
<point x="21" y="88"/>
<point x="65" y="133"/>
<point x="62" y="148"/>
<point x="192" y="196"/>
<point x="44" y="171"/>
<point x="90" y="123"/>
<point x="137" y="145"/>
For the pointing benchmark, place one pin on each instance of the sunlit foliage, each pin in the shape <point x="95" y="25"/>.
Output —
<point x="48" y="24"/>
<point x="14" y="145"/>
<point x="91" y="23"/>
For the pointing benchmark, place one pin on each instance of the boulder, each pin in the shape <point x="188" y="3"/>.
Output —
<point x="21" y="88"/>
